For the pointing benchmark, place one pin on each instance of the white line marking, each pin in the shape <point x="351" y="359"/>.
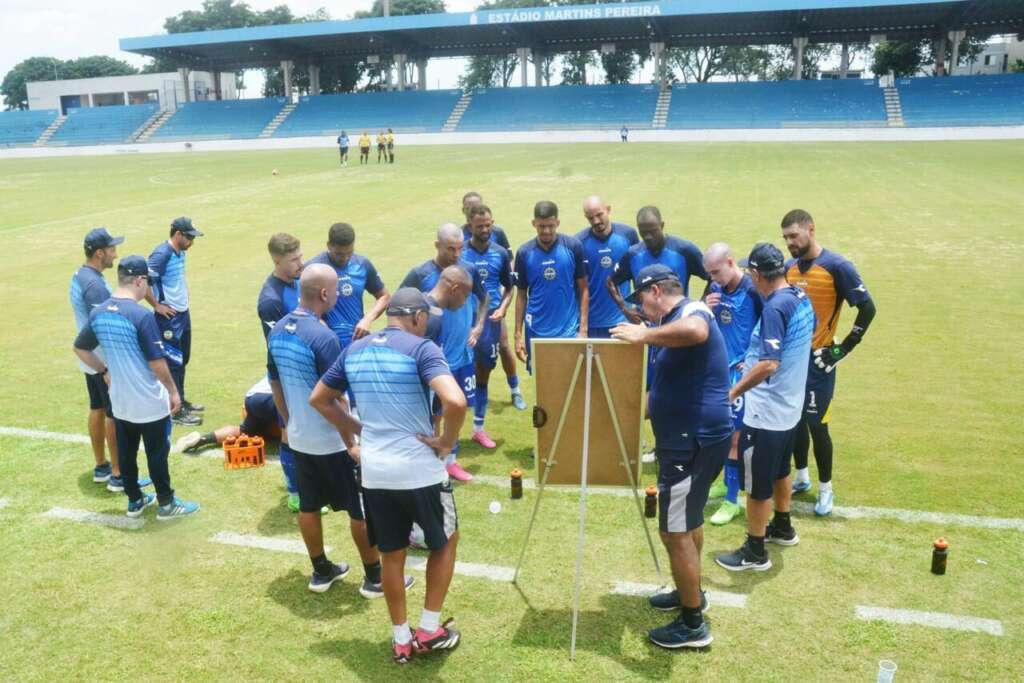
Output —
<point x="4" y="502"/>
<point x="281" y="545"/>
<point x="36" y="434"/>
<point x="715" y="598"/>
<point x="86" y="517"/>
<point x="956" y="622"/>
<point x="479" y="571"/>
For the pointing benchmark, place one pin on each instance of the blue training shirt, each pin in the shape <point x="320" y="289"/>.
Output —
<point x="688" y="399"/>
<point x="601" y="256"/>
<point x="549" y="276"/>
<point x="343" y="141"/>
<point x="276" y="300"/>
<point x="130" y="338"/>
<point x="89" y="289"/>
<point x="493" y="268"/>
<point x="355" y="278"/>
<point x="682" y="256"/>
<point x="497" y="235"/>
<point x="736" y="315"/>
<point x="784" y="334"/>
<point x="389" y="373"/>
<point x="170" y="286"/>
<point x="455" y="325"/>
<point x="301" y="349"/>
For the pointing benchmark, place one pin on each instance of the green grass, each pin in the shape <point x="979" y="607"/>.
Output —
<point x="927" y="418"/>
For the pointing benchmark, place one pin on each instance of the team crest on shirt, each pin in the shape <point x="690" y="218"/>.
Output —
<point x="606" y="261"/>
<point x="168" y="335"/>
<point x="290" y="328"/>
<point x="549" y="273"/>
<point x="482" y="272"/>
<point x="726" y="316"/>
<point x="346" y="289"/>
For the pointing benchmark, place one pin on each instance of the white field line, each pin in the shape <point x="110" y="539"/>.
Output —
<point x="715" y="598"/>
<point x="281" y="545"/>
<point x="908" y="516"/>
<point x="86" y="517"/>
<point x="478" y="571"/>
<point x="4" y="502"/>
<point x="956" y="622"/>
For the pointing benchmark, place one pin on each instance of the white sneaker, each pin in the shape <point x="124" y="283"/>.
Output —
<point x="185" y="442"/>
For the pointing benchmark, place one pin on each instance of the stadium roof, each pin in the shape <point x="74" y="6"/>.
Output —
<point x="581" y="27"/>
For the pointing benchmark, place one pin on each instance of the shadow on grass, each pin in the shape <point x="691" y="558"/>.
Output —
<point x="601" y="632"/>
<point x="715" y="577"/>
<point x="279" y="520"/>
<point x="93" y="489"/>
<point x="370" y="660"/>
<point x="291" y="590"/>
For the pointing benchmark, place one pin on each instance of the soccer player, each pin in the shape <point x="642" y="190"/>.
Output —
<point x="551" y="276"/>
<point x="300" y="350"/>
<point x="471" y="199"/>
<point x="168" y="296"/>
<point x="259" y="418"/>
<point x="737" y="308"/>
<point x="689" y="410"/>
<point x="390" y="139"/>
<point x="393" y="374"/>
<point x="356" y="275"/>
<point x="88" y="290"/>
<point x="774" y="374"/>
<point x="828" y="279"/>
<point x="493" y="265"/>
<point x="460" y="333"/>
<point x="624" y="134"/>
<point x="364" y="148"/>
<point x="382" y="143"/>
<point x="143" y="393"/>
<point x="604" y="245"/>
<point x="343" y="148"/>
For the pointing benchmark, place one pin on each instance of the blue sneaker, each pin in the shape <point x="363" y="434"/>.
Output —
<point x="823" y="507"/>
<point x="375" y="590"/>
<point x="176" y="508"/>
<point x="116" y="484"/>
<point x="801" y="486"/>
<point x="135" y="507"/>
<point x="678" y="635"/>
<point x="101" y="473"/>
<point x="319" y="583"/>
<point x="518" y="401"/>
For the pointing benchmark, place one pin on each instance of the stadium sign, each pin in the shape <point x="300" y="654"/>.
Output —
<point x="517" y="16"/>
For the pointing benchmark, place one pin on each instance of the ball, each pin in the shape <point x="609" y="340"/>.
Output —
<point x="274" y="172"/>
<point x="494" y="507"/>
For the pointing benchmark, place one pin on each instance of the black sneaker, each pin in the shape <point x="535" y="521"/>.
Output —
<point x="190" y="407"/>
<point x="371" y="591"/>
<point x="320" y="583"/>
<point x="186" y="419"/>
<point x="743" y="559"/>
<point x="774" y="535"/>
<point x="666" y="602"/>
<point x="678" y="635"/>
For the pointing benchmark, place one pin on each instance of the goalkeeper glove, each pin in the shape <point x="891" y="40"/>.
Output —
<point x="828" y="357"/>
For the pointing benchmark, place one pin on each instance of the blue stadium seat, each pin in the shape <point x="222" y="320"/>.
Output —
<point x="561" y="107"/>
<point x="220" y="119"/>
<point x="404" y="112"/>
<point x="996" y="100"/>
<point x="778" y="104"/>
<point x="24" y="127"/>
<point x="102" y="125"/>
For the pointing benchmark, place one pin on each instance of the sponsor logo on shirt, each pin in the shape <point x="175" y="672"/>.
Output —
<point x="774" y="343"/>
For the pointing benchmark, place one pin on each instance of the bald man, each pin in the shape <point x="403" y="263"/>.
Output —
<point x="604" y="245"/>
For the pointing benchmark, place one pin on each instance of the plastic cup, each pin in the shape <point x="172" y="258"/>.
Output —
<point x="886" y="671"/>
<point x="494" y="507"/>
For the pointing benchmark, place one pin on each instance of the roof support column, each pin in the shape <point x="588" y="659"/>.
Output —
<point x="400" y="65"/>
<point x="538" y="69"/>
<point x="183" y="73"/>
<point x="844" y="61"/>
<point x="660" y="75"/>
<point x="956" y="37"/>
<point x="939" y="47"/>
<point x="286" y="71"/>
<point x="421" y="68"/>
<point x="799" y="43"/>
<point x="524" y="56"/>
<point x="314" y="79"/>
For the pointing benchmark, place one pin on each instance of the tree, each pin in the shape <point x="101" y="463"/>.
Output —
<point x="379" y="74"/>
<point x="1018" y="67"/>
<point x="902" y="58"/>
<point x="484" y="71"/>
<point x="14" y="87"/>
<point x="619" y="66"/>
<point x="96" y="66"/>
<point x="696" y="64"/>
<point x="574" y="67"/>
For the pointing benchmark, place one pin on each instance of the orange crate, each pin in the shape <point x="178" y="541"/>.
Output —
<point x="244" y="451"/>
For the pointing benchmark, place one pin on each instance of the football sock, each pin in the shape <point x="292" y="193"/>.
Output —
<point x="321" y="565"/>
<point x="207" y="439"/>
<point x="480" y="407"/>
<point x="692" y="617"/>
<point x="372" y="572"/>
<point x="756" y="544"/>
<point x="824" y="486"/>
<point x="402" y="634"/>
<point x="732" y="480"/>
<point x="513" y="383"/>
<point x="429" y="621"/>
<point x="803" y="474"/>
<point x="782" y="521"/>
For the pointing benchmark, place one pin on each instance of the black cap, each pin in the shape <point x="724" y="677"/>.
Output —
<point x="649" y="275"/>
<point x="134" y="265"/>
<point x="765" y="258"/>
<point x="99" y="238"/>
<point x="407" y="301"/>
<point x="184" y="225"/>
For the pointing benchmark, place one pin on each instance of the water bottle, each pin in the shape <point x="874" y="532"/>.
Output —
<point x="940" y="549"/>
<point x="651" y="502"/>
<point x="517" y="484"/>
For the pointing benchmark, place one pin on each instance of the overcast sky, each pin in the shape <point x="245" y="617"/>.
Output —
<point x="72" y="28"/>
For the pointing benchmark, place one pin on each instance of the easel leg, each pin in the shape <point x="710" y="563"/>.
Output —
<point x="583" y="500"/>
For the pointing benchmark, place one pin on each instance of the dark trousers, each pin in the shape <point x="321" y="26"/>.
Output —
<point x="177" y="337"/>
<point x="157" y="438"/>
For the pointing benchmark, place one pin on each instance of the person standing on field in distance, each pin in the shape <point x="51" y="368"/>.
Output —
<point x="301" y="349"/>
<point x="364" y="148"/>
<point x="604" y="244"/>
<point x="624" y="134"/>
<point x="551" y="276"/>
<point x="143" y="394"/>
<point x="774" y="375"/>
<point x="168" y="296"/>
<point x="88" y="290"/>
<point x="737" y="307"/>
<point x="829" y="280"/>
<point x="393" y="374"/>
<point x="343" y="148"/>
<point x="382" y="144"/>
<point x="390" y="138"/>
<point x="689" y="410"/>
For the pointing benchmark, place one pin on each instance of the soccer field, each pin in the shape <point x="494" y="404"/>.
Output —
<point x="928" y="418"/>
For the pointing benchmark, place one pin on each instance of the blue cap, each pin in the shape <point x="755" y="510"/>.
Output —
<point x="99" y="238"/>
<point x="765" y="258"/>
<point x="183" y="224"/>
<point x="649" y="275"/>
<point x="134" y="265"/>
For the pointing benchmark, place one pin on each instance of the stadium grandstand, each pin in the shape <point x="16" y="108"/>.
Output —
<point x="532" y="33"/>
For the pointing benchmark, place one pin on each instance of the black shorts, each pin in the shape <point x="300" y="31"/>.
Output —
<point x="390" y="514"/>
<point x="364" y="150"/>
<point x="261" y="417"/>
<point x="764" y="459"/>
<point x="328" y="480"/>
<point x="684" y="480"/>
<point x="821" y="387"/>
<point x="99" y="395"/>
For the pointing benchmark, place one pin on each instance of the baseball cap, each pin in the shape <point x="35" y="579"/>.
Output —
<point x="765" y="258"/>
<point x="99" y="238"/>
<point x="407" y="301"/>
<point x="184" y="224"/>
<point x="134" y="265"/>
<point x="649" y="275"/>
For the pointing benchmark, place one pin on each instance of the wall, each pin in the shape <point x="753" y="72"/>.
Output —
<point x="168" y="87"/>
